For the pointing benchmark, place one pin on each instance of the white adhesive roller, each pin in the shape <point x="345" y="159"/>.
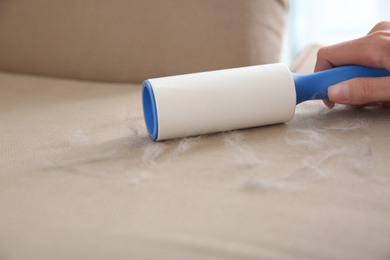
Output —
<point x="222" y="100"/>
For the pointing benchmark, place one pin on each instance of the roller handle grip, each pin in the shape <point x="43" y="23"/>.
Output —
<point x="315" y="85"/>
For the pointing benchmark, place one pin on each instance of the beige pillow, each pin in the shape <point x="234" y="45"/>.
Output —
<point x="129" y="41"/>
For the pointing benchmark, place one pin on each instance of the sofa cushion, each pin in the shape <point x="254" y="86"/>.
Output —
<point x="132" y="40"/>
<point x="80" y="179"/>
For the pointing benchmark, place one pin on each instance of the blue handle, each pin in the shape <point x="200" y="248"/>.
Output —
<point x="315" y="85"/>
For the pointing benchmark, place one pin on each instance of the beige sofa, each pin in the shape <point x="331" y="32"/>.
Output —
<point x="79" y="178"/>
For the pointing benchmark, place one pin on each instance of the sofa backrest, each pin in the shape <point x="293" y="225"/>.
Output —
<point x="132" y="40"/>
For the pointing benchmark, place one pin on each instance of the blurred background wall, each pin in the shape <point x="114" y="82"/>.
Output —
<point x="328" y="22"/>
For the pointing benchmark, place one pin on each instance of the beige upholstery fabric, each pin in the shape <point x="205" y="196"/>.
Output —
<point x="132" y="40"/>
<point x="79" y="179"/>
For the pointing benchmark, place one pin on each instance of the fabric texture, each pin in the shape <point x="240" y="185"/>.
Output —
<point x="132" y="40"/>
<point x="79" y="179"/>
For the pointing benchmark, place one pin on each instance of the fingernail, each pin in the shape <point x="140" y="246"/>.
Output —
<point x="339" y="92"/>
<point x="328" y="103"/>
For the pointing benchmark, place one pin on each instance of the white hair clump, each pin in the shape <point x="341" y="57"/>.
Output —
<point x="325" y="152"/>
<point x="78" y="137"/>
<point x="329" y="151"/>
<point x="243" y="152"/>
<point x="137" y="176"/>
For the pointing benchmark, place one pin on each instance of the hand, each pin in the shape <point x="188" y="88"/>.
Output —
<point x="373" y="50"/>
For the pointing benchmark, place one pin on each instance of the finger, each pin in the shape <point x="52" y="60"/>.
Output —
<point x="362" y="51"/>
<point x="323" y="62"/>
<point x="360" y="91"/>
<point x="371" y="51"/>
<point x="372" y="104"/>
<point x="351" y="52"/>
<point x="381" y="26"/>
<point x="328" y="103"/>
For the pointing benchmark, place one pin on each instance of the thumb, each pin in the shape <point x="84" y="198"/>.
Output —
<point x="360" y="91"/>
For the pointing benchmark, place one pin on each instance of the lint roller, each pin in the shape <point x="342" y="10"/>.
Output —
<point x="222" y="100"/>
